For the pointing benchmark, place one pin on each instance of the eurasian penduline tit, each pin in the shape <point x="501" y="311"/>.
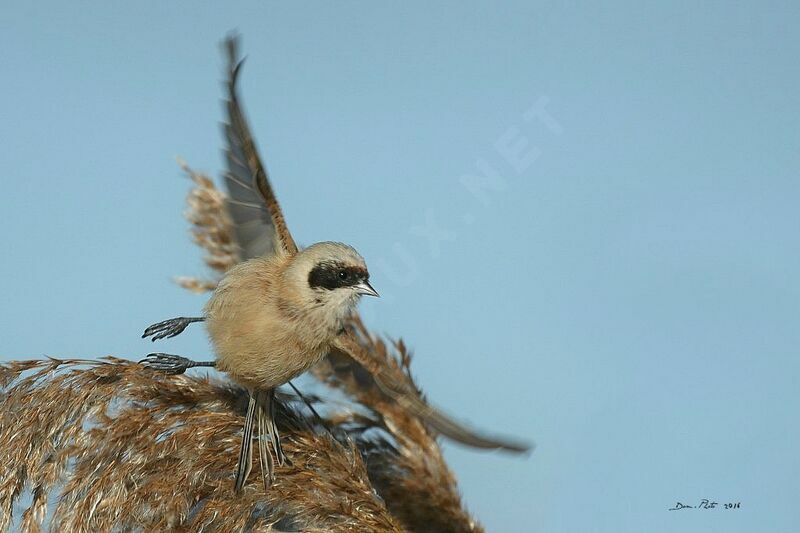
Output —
<point x="278" y="313"/>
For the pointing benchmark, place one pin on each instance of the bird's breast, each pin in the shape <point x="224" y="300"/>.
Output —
<point x="268" y="348"/>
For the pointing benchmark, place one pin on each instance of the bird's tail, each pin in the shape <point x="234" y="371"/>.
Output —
<point x="260" y="419"/>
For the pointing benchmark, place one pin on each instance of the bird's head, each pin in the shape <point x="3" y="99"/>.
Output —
<point x="334" y="274"/>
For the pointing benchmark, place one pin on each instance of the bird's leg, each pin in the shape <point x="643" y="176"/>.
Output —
<point x="170" y="328"/>
<point x="172" y="364"/>
<point x="313" y="411"/>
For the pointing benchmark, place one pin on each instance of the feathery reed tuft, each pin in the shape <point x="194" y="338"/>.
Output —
<point x="122" y="447"/>
<point x="212" y="230"/>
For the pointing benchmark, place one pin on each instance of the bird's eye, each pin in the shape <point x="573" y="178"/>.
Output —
<point x="343" y="275"/>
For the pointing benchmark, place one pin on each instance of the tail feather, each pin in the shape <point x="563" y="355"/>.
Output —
<point x="245" y="463"/>
<point x="264" y="455"/>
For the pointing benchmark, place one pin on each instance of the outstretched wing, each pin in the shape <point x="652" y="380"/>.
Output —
<point x="257" y="217"/>
<point x="411" y="401"/>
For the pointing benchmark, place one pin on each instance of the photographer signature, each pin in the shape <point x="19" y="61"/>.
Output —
<point x="706" y="504"/>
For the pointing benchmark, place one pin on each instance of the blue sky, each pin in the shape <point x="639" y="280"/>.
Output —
<point x="621" y="287"/>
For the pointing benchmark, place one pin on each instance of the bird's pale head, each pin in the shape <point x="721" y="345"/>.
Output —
<point x="334" y="275"/>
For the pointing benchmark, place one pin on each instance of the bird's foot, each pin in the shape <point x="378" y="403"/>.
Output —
<point x="170" y="364"/>
<point x="169" y="328"/>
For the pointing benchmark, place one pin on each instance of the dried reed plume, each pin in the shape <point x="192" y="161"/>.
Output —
<point x="109" y="445"/>
<point x="212" y="230"/>
<point x="127" y="449"/>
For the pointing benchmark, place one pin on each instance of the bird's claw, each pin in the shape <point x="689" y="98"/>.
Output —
<point x="168" y="328"/>
<point x="168" y="363"/>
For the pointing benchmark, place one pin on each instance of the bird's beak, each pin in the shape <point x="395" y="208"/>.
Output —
<point x="365" y="288"/>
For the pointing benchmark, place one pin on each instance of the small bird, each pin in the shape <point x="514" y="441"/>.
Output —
<point x="272" y="318"/>
<point x="279" y="312"/>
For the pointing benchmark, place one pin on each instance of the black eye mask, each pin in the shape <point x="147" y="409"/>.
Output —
<point x="332" y="276"/>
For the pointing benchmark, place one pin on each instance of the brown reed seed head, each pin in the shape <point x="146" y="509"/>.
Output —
<point x="121" y="447"/>
<point x="212" y="230"/>
<point x="403" y="458"/>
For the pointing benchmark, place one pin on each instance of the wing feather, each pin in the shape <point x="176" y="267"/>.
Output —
<point x="258" y="220"/>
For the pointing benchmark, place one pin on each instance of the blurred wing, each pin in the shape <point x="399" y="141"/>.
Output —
<point x="410" y="400"/>
<point x="258" y="221"/>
